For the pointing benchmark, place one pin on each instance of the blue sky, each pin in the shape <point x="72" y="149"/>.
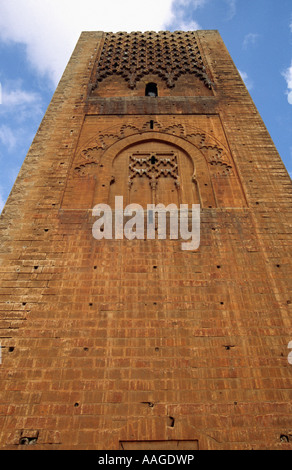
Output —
<point x="38" y="37"/>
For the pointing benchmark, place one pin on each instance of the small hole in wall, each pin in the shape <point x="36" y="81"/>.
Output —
<point x="28" y="441"/>
<point x="24" y="441"/>
<point x="156" y="349"/>
<point x="221" y="303"/>
<point x="171" y="422"/>
<point x="154" y="267"/>
<point x="284" y="438"/>
<point x="278" y="265"/>
<point x="95" y="267"/>
<point x="218" y="267"/>
<point x="11" y="349"/>
<point x="76" y="405"/>
<point x="36" y="267"/>
<point x="24" y="304"/>
<point x="90" y="304"/>
<point x="149" y="403"/>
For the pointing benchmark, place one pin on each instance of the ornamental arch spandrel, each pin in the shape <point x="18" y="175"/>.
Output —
<point x="109" y="165"/>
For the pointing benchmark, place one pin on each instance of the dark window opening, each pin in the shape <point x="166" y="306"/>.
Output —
<point x="151" y="90"/>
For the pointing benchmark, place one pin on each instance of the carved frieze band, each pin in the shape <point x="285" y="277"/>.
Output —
<point x="134" y="55"/>
<point x="218" y="159"/>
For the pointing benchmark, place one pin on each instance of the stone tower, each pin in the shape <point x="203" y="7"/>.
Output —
<point x="138" y="344"/>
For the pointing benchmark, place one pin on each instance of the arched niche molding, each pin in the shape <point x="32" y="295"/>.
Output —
<point x="214" y="174"/>
<point x="190" y="183"/>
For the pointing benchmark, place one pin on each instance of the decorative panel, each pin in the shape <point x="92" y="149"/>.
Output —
<point x="135" y="55"/>
<point x="191" y="164"/>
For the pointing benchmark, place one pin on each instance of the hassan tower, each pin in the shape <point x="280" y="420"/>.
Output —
<point x="111" y="342"/>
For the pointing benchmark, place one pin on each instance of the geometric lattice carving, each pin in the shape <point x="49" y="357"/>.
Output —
<point x="153" y="165"/>
<point x="134" y="55"/>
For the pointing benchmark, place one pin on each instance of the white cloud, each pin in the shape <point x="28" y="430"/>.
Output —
<point x="188" y="26"/>
<point x="7" y="137"/>
<point x="193" y="3"/>
<point x="250" y="39"/>
<point x="232" y="8"/>
<point x="19" y="97"/>
<point x="19" y="103"/>
<point x="288" y="77"/>
<point x="51" y="28"/>
<point x="181" y="10"/>
<point x="246" y="79"/>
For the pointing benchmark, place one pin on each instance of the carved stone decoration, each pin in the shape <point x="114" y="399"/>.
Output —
<point x="221" y="168"/>
<point x="92" y="154"/>
<point x="151" y="125"/>
<point x="176" y="129"/>
<point x="107" y="140"/>
<point x="213" y="153"/>
<point x="153" y="165"/>
<point x="128" y="130"/>
<point x="216" y="156"/>
<point x="86" y="169"/>
<point x="134" y="55"/>
<point x="197" y="139"/>
<point x="218" y="161"/>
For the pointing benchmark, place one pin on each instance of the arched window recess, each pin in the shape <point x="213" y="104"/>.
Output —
<point x="151" y="90"/>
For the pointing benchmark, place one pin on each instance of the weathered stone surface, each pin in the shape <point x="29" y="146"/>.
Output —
<point x="115" y="341"/>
